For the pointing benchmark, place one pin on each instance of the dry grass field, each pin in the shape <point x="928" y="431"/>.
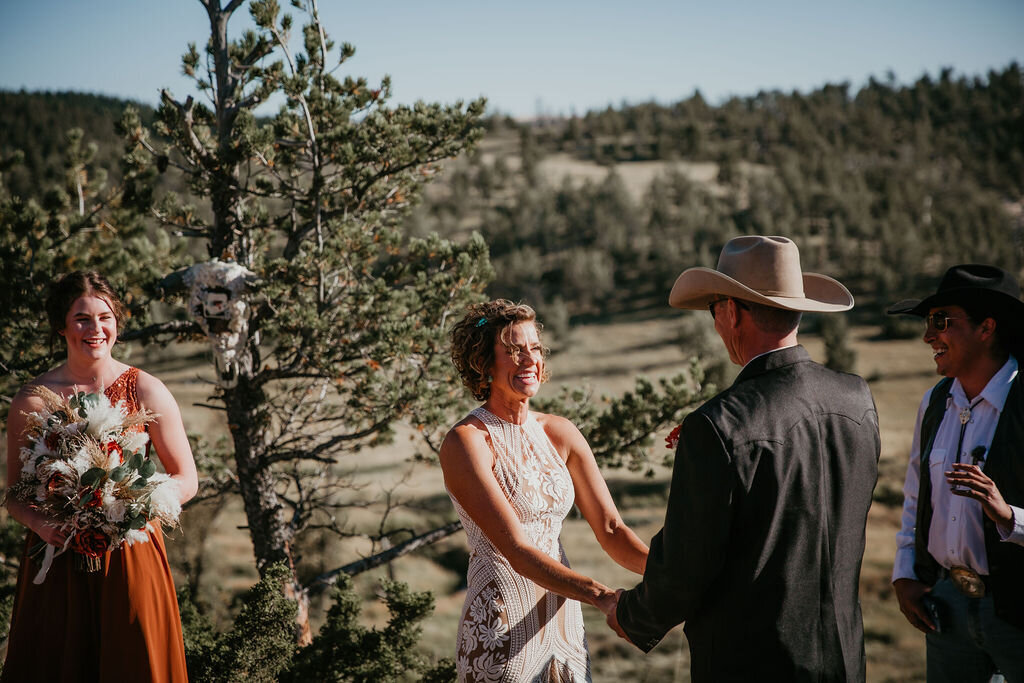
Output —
<point x="606" y="357"/>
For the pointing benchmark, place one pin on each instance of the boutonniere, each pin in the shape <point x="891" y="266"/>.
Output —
<point x="672" y="440"/>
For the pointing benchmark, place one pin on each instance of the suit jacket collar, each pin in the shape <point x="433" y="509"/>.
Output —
<point x="773" y="360"/>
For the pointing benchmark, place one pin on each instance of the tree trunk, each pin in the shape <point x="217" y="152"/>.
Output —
<point x="270" y="532"/>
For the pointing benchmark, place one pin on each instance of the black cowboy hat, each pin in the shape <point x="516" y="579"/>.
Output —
<point x="991" y="289"/>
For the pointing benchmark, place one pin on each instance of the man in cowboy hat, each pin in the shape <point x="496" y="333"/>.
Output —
<point x="761" y="549"/>
<point x="959" y="569"/>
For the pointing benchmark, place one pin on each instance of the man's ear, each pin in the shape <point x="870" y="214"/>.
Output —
<point x="988" y="328"/>
<point x="735" y="308"/>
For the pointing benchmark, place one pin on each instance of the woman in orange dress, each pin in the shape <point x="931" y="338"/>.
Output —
<point x="120" y="623"/>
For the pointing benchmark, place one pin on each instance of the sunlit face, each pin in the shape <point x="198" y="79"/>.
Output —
<point x="958" y="347"/>
<point x="90" y="328"/>
<point x="517" y="370"/>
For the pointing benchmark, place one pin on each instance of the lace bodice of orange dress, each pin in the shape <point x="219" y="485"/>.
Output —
<point x="511" y="629"/>
<point x="118" y="624"/>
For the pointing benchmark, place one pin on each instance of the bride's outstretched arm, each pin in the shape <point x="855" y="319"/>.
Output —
<point x="592" y="496"/>
<point x="467" y="463"/>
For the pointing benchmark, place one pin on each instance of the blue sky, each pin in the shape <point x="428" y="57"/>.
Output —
<point x="529" y="57"/>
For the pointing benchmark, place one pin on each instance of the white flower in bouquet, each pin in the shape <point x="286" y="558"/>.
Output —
<point x="164" y="500"/>
<point x="112" y="457"/>
<point x="104" y="418"/>
<point x="134" y="442"/>
<point x="28" y="463"/>
<point x="133" y="536"/>
<point x="81" y="461"/>
<point x="38" y="449"/>
<point x="114" y="509"/>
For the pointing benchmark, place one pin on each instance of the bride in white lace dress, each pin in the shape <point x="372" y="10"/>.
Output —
<point x="513" y="476"/>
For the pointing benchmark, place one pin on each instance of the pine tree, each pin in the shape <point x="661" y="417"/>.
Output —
<point x="327" y="325"/>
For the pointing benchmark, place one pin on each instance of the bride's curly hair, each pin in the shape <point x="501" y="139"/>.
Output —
<point x="473" y="339"/>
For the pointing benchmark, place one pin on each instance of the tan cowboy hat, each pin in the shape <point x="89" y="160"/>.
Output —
<point x="764" y="270"/>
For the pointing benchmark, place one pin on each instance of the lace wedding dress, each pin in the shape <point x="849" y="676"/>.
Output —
<point x="513" y="630"/>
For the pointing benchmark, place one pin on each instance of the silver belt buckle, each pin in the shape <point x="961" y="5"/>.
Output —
<point x="967" y="581"/>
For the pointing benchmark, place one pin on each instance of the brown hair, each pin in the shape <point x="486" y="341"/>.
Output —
<point x="474" y="336"/>
<point x="68" y="288"/>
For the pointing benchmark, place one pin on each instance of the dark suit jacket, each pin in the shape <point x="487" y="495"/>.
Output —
<point x="764" y="533"/>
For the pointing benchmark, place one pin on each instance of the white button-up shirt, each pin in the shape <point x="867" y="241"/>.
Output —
<point x="956" y="536"/>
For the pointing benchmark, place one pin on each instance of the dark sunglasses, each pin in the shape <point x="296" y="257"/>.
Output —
<point x="940" y="321"/>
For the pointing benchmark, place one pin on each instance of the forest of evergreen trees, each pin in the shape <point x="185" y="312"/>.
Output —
<point x="884" y="187"/>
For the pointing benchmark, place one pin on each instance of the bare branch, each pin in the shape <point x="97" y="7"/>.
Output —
<point x="328" y="579"/>
<point x="317" y="452"/>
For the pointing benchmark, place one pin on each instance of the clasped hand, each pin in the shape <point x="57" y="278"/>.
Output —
<point x="608" y="607"/>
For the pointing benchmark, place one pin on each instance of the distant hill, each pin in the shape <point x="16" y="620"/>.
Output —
<point x="35" y="123"/>
<point x="587" y="216"/>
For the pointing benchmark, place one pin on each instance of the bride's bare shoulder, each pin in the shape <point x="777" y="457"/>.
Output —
<point x="468" y="429"/>
<point x="466" y="438"/>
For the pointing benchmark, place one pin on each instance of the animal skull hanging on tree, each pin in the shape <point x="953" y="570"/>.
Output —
<point x="220" y="303"/>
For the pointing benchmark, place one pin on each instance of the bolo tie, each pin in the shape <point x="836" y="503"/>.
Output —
<point x="978" y="452"/>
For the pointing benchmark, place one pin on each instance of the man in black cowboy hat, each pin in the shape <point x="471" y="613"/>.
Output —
<point x="764" y="532"/>
<point x="959" y="569"/>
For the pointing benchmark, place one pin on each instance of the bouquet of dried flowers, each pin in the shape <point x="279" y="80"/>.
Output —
<point x="86" y="465"/>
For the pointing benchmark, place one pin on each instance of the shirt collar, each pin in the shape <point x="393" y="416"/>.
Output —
<point x="765" y="354"/>
<point x="995" y="391"/>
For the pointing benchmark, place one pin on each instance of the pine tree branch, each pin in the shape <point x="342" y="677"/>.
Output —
<point x="171" y="327"/>
<point x="328" y="579"/>
<point x="186" y="116"/>
<point x="172" y="283"/>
